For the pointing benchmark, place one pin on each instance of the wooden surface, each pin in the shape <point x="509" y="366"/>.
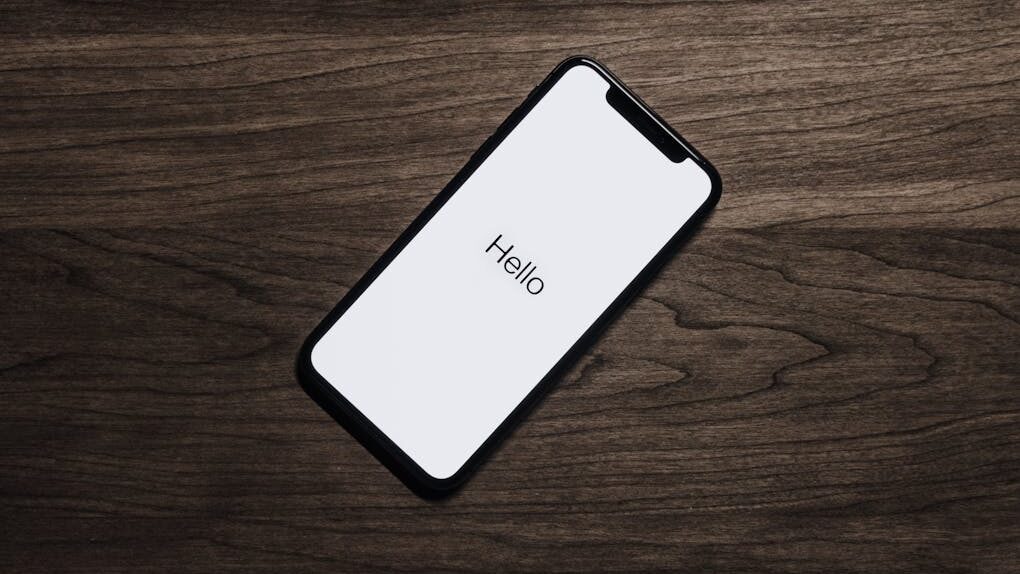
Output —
<point x="826" y="378"/>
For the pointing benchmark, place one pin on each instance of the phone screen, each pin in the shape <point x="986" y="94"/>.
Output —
<point x="511" y="271"/>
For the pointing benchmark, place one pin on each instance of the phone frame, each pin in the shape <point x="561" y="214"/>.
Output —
<point x="371" y="437"/>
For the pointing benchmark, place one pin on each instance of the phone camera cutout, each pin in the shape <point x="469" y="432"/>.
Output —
<point x="646" y="124"/>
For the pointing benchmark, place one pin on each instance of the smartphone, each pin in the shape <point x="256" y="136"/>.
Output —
<point x="507" y="276"/>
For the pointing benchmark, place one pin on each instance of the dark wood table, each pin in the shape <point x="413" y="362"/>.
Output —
<point x="827" y="378"/>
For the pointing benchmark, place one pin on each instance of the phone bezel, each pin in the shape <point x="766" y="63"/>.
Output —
<point x="362" y="428"/>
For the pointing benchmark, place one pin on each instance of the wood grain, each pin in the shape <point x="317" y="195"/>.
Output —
<point x="827" y="378"/>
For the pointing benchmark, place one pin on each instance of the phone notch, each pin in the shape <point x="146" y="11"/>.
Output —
<point x="644" y="122"/>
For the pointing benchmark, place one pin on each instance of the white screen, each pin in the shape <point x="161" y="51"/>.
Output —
<point x="447" y="341"/>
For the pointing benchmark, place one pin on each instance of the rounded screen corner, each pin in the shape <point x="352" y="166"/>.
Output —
<point x="305" y="366"/>
<point x="716" y="187"/>
<point x="418" y="480"/>
<point x="581" y="60"/>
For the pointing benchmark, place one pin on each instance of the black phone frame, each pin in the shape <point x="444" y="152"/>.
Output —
<point x="370" y="436"/>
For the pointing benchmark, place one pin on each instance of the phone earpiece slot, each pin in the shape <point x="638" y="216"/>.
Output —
<point x="643" y="122"/>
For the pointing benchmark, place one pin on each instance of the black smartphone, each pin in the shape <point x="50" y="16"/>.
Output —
<point x="554" y="224"/>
